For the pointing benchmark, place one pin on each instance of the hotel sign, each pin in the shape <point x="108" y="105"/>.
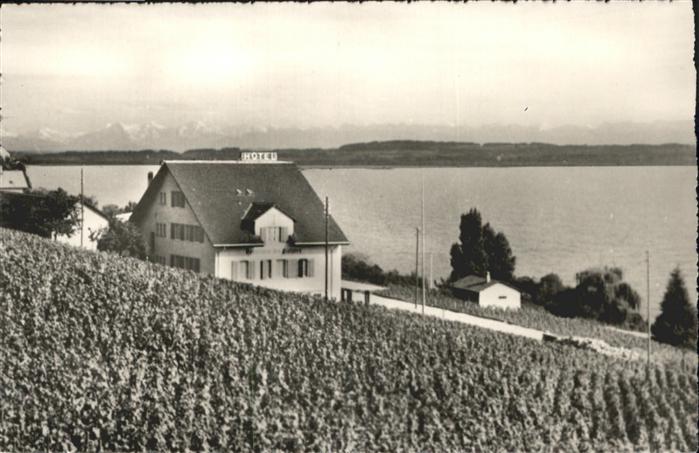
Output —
<point x="258" y="156"/>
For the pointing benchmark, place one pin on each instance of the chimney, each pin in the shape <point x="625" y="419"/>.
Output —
<point x="150" y="177"/>
<point x="487" y="277"/>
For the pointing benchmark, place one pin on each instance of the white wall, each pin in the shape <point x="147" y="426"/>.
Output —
<point x="499" y="296"/>
<point x="12" y="180"/>
<point x="93" y="222"/>
<point x="274" y="252"/>
<point x="274" y="218"/>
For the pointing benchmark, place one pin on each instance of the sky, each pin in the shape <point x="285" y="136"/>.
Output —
<point x="76" y="68"/>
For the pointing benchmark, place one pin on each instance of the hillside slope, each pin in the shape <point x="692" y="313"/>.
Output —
<point x="98" y="351"/>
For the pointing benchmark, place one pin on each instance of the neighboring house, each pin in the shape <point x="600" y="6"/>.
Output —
<point x="487" y="292"/>
<point x="93" y="221"/>
<point x="13" y="175"/>
<point x="123" y="217"/>
<point x="253" y="222"/>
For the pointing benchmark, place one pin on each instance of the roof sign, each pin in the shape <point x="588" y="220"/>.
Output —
<point x="258" y="156"/>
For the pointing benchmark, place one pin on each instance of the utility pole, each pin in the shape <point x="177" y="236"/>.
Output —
<point x="82" y="208"/>
<point x="424" y="294"/>
<point x="430" y="283"/>
<point x="417" y="264"/>
<point x="648" y="306"/>
<point x="327" y="213"/>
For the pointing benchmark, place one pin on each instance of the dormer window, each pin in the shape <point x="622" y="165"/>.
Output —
<point x="274" y="234"/>
<point x="268" y="221"/>
<point x="249" y="192"/>
<point x="239" y="192"/>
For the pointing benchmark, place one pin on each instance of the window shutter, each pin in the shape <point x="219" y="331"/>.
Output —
<point x="172" y="231"/>
<point x="200" y="234"/>
<point x="234" y="270"/>
<point x="284" y="234"/>
<point x="251" y="270"/>
<point x="310" y="267"/>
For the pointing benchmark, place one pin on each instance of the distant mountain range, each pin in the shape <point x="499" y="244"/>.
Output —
<point x="193" y="135"/>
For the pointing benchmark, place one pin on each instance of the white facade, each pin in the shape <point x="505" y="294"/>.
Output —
<point x="499" y="296"/>
<point x="92" y="223"/>
<point x="276" y="265"/>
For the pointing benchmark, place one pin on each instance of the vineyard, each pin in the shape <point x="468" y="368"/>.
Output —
<point x="101" y="352"/>
<point x="536" y="317"/>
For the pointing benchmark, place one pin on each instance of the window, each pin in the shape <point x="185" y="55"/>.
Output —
<point x="177" y="231"/>
<point x="502" y="297"/>
<point x="177" y="199"/>
<point x="158" y="259"/>
<point x="185" y="262"/>
<point x="282" y="268"/>
<point x="242" y="270"/>
<point x="274" y="234"/>
<point x="265" y="269"/>
<point x="161" y="230"/>
<point x="193" y="233"/>
<point x="248" y="268"/>
<point x="163" y="198"/>
<point x="305" y="268"/>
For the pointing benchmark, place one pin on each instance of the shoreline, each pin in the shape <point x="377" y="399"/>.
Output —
<point x="378" y="166"/>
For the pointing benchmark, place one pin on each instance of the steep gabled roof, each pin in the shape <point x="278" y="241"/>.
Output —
<point x="94" y="209"/>
<point x="476" y="284"/>
<point x="257" y="208"/>
<point x="219" y="193"/>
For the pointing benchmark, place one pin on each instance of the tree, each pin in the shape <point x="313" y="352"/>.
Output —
<point x="480" y="249"/>
<point x="498" y="254"/>
<point x="45" y="213"/>
<point x="600" y="294"/>
<point x="122" y="238"/>
<point x="468" y="256"/>
<point x="677" y="322"/>
<point x="549" y="286"/>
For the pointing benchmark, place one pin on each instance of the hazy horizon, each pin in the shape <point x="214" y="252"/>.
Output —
<point x="543" y="66"/>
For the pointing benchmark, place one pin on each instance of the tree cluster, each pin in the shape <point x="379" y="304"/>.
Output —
<point x="45" y="213"/>
<point x="599" y="294"/>
<point x="356" y="267"/>
<point x="481" y="249"/>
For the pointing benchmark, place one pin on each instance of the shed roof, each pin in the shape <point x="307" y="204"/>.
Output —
<point x="476" y="283"/>
<point x="219" y="193"/>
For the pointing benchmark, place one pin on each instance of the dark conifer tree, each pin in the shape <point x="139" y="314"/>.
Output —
<point x="677" y="322"/>
<point x="468" y="256"/>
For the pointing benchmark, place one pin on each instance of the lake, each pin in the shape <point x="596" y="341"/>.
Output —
<point x="557" y="219"/>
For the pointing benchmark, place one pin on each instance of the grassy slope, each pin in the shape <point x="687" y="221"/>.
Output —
<point x="100" y="351"/>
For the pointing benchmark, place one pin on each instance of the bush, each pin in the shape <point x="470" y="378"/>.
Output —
<point x="123" y="238"/>
<point x="600" y="294"/>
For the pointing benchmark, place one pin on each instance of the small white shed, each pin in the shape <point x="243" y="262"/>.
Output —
<point x="487" y="292"/>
